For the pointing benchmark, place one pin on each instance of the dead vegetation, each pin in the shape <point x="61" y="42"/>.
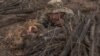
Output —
<point x="21" y="34"/>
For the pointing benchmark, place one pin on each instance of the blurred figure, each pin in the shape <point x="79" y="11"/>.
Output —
<point x="55" y="13"/>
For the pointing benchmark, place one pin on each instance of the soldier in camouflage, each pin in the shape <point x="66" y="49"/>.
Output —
<point x="55" y="13"/>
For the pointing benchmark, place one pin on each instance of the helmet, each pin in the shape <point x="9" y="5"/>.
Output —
<point x="55" y="6"/>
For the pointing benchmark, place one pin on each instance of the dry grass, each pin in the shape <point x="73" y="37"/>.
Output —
<point x="83" y="30"/>
<point x="17" y="29"/>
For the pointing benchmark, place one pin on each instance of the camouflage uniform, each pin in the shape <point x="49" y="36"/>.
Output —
<point x="55" y="8"/>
